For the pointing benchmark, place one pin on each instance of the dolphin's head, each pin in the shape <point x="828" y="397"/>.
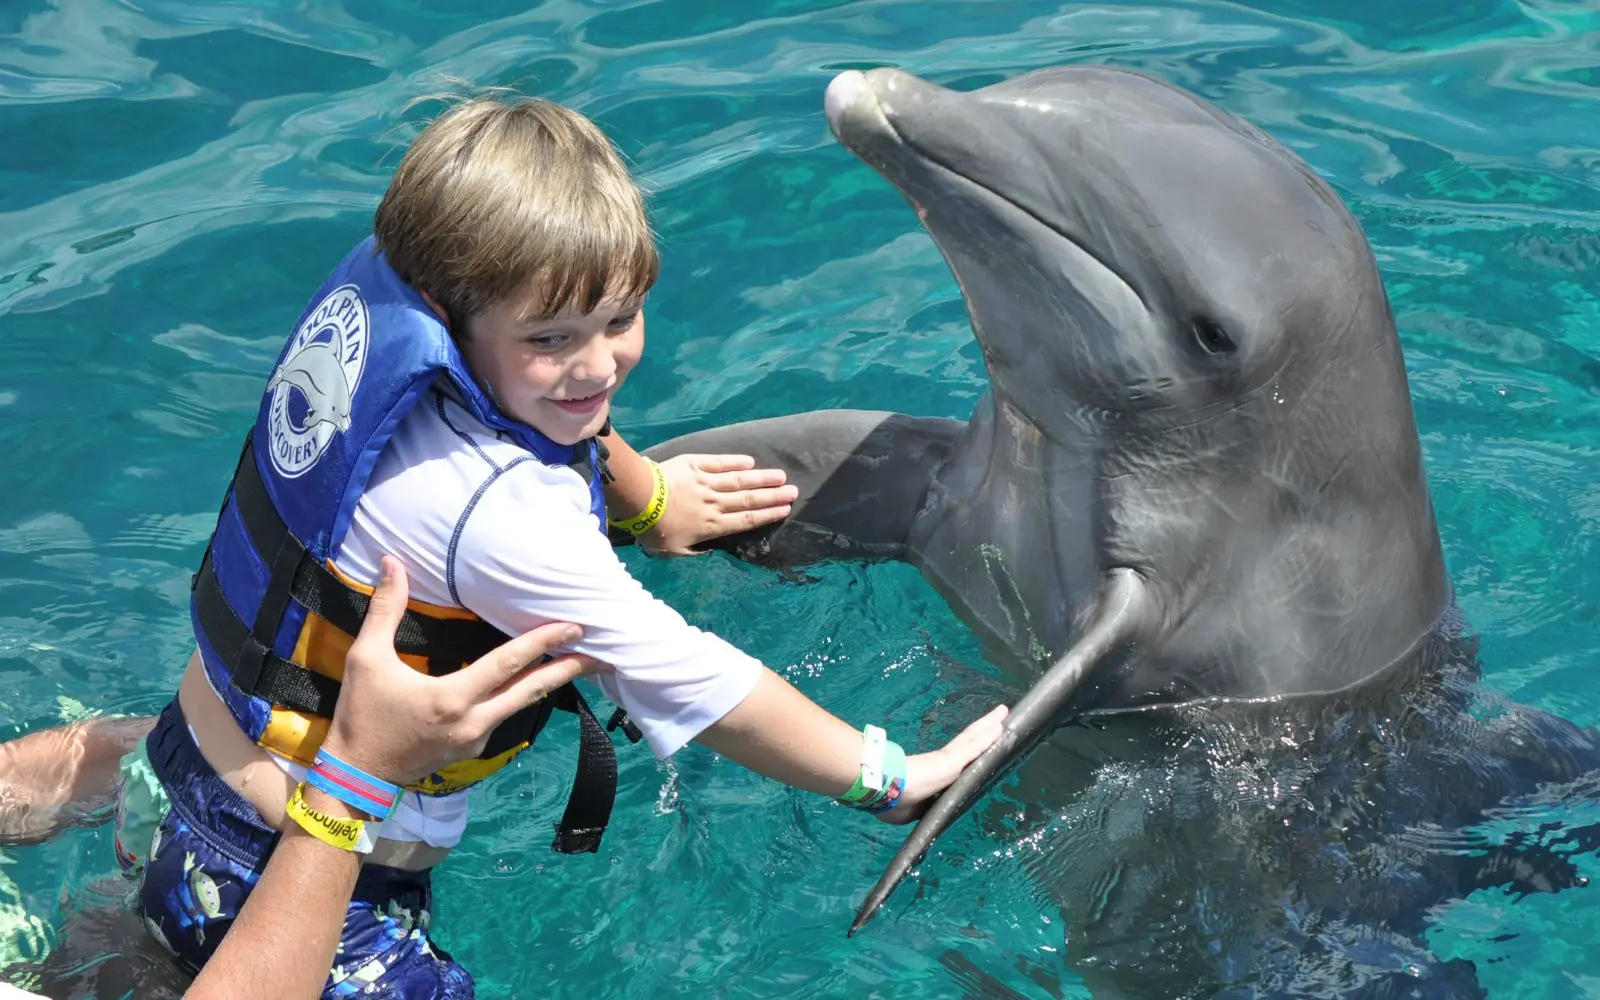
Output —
<point x="1176" y="297"/>
<point x="1120" y="244"/>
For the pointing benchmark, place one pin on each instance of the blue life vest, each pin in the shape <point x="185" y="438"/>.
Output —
<point x="272" y="615"/>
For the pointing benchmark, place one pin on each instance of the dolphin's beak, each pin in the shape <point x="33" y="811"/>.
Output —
<point x="909" y="129"/>
<point x="856" y="115"/>
<point x="849" y="93"/>
<point x="884" y="116"/>
<point x="844" y="91"/>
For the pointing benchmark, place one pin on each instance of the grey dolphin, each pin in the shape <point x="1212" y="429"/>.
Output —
<point x="1200" y="440"/>
<point x="1195" y="484"/>
<point x="317" y="372"/>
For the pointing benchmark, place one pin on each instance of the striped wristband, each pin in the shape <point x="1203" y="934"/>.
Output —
<point x="353" y="786"/>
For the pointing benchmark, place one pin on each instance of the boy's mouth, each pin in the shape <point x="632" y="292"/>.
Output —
<point x="581" y="406"/>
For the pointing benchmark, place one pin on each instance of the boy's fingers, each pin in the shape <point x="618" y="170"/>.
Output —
<point x="978" y="735"/>
<point x="757" y="499"/>
<point x="535" y="684"/>
<point x="487" y="674"/>
<point x="723" y="463"/>
<point x="748" y="479"/>
<point x="385" y="610"/>
<point x="744" y="520"/>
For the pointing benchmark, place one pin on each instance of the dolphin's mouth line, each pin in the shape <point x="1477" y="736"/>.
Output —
<point x="929" y="157"/>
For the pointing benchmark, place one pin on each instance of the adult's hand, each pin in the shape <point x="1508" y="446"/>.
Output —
<point x="397" y="724"/>
<point x="401" y="725"/>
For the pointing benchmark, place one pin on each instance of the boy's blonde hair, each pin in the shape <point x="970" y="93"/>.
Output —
<point x="526" y="199"/>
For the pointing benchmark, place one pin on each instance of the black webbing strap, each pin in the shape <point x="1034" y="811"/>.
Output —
<point x="449" y="643"/>
<point x="594" y="787"/>
<point x="292" y="686"/>
<point x="257" y="670"/>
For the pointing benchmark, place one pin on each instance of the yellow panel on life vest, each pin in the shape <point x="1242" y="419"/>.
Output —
<point x="322" y="647"/>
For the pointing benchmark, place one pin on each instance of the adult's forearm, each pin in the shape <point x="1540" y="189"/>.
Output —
<point x="282" y="944"/>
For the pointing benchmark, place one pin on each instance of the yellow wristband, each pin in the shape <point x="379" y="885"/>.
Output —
<point x="345" y="834"/>
<point x="651" y="515"/>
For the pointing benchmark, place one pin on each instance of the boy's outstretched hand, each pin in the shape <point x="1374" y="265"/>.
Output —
<point x="928" y="774"/>
<point x="709" y="496"/>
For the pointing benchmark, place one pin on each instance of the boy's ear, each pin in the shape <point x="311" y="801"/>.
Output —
<point x="433" y="303"/>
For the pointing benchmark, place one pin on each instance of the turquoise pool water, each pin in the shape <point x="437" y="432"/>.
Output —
<point x="177" y="176"/>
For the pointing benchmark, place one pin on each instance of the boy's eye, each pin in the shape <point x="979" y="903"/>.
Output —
<point x="548" y="341"/>
<point x="623" y="322"/>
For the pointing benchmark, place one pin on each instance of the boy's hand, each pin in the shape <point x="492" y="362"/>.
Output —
<point x="401" y="725"/>
<point x="928" y="774"/>
<point x="709" y="496"/>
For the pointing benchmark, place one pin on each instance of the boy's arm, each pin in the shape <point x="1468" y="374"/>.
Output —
<point x="528" y="553"/>
<point x="708" y="496"/>
<point x="779" y="732"/>
<point x="632" y="482"/>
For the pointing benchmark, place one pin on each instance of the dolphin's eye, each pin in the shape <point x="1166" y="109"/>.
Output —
<point x="1211" y="337"/>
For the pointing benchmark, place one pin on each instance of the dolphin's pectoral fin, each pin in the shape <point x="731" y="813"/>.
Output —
<point x="1124" y="610"/>
<point x="862" y="477"/>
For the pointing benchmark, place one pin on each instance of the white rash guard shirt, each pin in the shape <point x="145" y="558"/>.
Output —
<point x="481" y="523"/>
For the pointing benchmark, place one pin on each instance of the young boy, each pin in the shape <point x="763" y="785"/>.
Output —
<point x="445" y="399"/>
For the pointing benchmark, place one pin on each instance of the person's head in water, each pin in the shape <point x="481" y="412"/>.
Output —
<point x="521" y="225"/>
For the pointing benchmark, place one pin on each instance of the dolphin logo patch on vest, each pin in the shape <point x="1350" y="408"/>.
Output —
<point x="315" y="382"/>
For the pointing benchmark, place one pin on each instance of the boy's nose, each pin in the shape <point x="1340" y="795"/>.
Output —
<point x="597" y="363"/>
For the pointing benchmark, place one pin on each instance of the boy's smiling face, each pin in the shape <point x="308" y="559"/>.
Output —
<point x="556" y="375"/>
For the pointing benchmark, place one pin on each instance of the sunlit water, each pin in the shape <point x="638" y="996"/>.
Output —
<point x="177" y="176"/>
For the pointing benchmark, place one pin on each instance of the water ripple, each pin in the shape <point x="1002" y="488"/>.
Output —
<point x="151" y="270"/>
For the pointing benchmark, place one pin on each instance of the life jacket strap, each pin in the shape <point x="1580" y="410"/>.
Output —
<point x="594" y="786"/>
<point x="256" y="669"/>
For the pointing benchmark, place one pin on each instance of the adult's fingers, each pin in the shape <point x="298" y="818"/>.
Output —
<point x="387" y="607"/>
<point x="536" y="683"/>
<point x="490" y="672"/>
